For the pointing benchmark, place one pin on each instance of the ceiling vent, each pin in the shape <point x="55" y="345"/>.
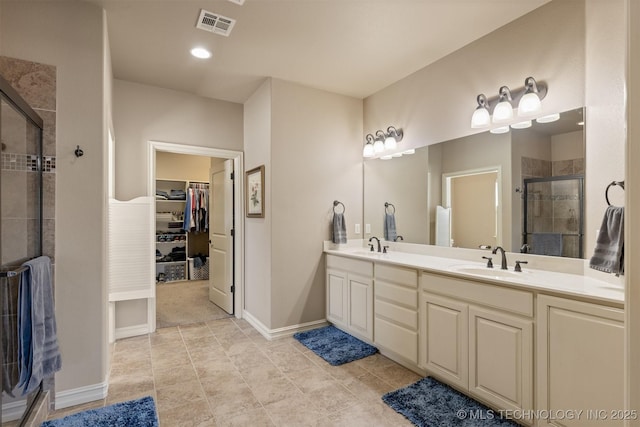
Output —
<point x="240" y="2"/>
<point x="215" y="23"/>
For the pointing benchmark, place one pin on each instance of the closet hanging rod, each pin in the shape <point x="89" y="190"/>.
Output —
<point x="613" y="184"/>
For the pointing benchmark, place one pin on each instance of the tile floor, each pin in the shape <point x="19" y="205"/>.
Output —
<point x="224" y="373"/>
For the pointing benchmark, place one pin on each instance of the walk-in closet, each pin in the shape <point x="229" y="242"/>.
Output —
<point x="183" y="213"/>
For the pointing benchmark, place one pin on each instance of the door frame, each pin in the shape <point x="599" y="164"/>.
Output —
<point x="238" y="188"/>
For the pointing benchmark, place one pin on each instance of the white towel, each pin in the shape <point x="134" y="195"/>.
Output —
<point x="608" y="255"/>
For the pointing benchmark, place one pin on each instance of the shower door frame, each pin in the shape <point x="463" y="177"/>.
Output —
<point x="580" y="179"/>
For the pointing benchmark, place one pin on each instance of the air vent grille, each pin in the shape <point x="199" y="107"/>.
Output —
<point x="215" y="23"/>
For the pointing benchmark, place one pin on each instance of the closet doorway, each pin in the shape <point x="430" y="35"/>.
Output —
<point x="198" y="243"/>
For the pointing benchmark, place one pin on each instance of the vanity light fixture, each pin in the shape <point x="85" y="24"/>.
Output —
<point x="481" y="117"/>
<point x="504" y="110"/>
<point x="522" y="125"/>
<point x="368" y="150"/>
<point x="501" y="129"/>
<point x="499" y="109"/>
<point x="548" y="119"/>
<point x="382" y="141"/>
<point x="408" y="152"/>
<point x="530" y="103"/>
<point x="389" y="157"/>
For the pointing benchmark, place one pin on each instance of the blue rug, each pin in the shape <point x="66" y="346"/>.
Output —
<point x="430" y="403"/>
<point x="335" y="346"/>
<point x="133" y="413"/>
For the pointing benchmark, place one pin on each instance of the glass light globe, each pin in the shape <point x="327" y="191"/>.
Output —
<point x="503" y="112"/>
<point x="480" y="118"/>
<point x="503" y="129"/>
<point x="368" y="151"/>
<point x="522" y="125"/>
<point x="529" y="104"/>
<point x="378" y="146"/>
<point x="390" y="143"/>
<point x="548" y="119"/>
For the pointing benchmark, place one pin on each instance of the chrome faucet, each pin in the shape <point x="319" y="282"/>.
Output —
<point x="377" y="240"/>
<point x="503" y="265"/>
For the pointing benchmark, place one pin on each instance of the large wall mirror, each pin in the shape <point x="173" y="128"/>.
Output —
<point x="522" y="190"/>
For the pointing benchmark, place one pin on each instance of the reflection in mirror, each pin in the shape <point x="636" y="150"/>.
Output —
<point x="417" y="184"/>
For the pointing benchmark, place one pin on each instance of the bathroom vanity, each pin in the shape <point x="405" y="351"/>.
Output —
<point x="534" y="344"/>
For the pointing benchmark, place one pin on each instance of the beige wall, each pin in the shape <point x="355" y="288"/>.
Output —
<point x="257" y="247"/>
<point x="304" y="137"/>
<point x="567" y="146"/>
<point x="473" y="210"/>
<point x="144" y="113"/>
<point x="314" y="161"/>
<point x="403" y="183"/>
<point x="582" y="61"/>
<point x="182" y="167"/>
<point x="71" y="38"/>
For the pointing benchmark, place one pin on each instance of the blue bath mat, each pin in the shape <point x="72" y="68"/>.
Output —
<point x="133" y="413"/>
<point x="335" y="346"/>
<point x="430" y="403"/>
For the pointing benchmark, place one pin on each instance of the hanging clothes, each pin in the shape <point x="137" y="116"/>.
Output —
<point x="196" y="215"/>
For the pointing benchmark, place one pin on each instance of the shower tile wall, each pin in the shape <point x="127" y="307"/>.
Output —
<point x="36" y="83"/>
<point x="554" y="207"/>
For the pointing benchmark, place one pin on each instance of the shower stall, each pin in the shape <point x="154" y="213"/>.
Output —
<point x="21" y="227"/>
<point x="554" y="216"/>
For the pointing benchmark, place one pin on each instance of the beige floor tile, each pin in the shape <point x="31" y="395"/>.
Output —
<point x="367" y="387"/>
<point x="212" y="368"/>
<point x="362" y="415"/>
<point x="311" y="379"/>
<point x="166" y="336"/>
<point x="332" y="398"/>
<point x="206" y="342"/>
<point x="205" y="354"/>
<point x="174" y="375"/>
<point x="179" y="394"/>
<point x="221" y="382"/>
<point x="61" y="413"/>
<point x="195" y="330"/>
<point x="255" y="418"/>
<point x="295" y="411"/>
<point x="257" y="374"/>
<point x="243" y="324"/>
<point x="190" y="414"/>
<point x="233" y="401"/>
<point x="251" y="356"/>
<point x="168" y="357"/>
<point x="275" y="390"/>
<point x="223" y="326"/>
<point x="131" y="367"/>
<point x="130" y="395"/>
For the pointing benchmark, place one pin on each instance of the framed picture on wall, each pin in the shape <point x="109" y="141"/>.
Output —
<point x="254" y="192"/>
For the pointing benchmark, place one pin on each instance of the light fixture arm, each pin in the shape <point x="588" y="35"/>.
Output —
<point x="369" y="138"/>
<point x="513" y="95"/>
<point x="397" y="134"/>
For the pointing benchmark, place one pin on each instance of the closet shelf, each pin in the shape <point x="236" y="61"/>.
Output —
<point x="170" y="262"/>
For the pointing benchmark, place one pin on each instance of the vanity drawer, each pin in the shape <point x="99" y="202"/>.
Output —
<point x="397" y="339"/>
<point x="396" y="294"/>
<point x="402" y="276"/>
<point x="400" y="315"/>
<point x="503" y="298"/>
<point x="363" y="268"/>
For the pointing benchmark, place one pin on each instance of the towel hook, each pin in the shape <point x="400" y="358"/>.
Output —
<point x="613" y="184"/>
<point x="78" y="152"/>
<point x="336" y="203"/>
<point x="386" y="208"/>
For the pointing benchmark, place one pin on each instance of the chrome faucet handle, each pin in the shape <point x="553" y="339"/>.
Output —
<point x="384" y="249"/>
<point x="489" y="262"/>
<point x="517" y="267"/>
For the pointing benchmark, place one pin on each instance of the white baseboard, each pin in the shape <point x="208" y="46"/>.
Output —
<point x="286" y="331"/>
<point x="80" y="395"/>
<point x="13" y="410"/>
<point x="131" y="331"/>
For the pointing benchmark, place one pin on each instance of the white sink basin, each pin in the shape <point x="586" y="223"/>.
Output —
<point x="487" y="272"/>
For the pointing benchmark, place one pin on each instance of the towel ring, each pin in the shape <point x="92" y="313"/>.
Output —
<point x="336" y="203"/>
<point x="613" y="184"/>
<point x="386" y="208"/>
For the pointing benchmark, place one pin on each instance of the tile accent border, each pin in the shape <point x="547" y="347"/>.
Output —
<point x="27" y="163"/>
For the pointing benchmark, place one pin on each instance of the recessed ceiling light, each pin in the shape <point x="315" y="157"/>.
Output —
<point x="200" y="52"/>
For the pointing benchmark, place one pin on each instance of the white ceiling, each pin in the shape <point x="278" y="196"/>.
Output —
<point x="351" y="47"/>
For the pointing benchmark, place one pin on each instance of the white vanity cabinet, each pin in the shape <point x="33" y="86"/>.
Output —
<point x="580" y="361"/>
<point x="350" y="295"/>
<point x="479" y="337"/>
<point x="396" y="311"/>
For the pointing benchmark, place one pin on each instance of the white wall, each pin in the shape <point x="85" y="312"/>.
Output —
<point x="69" y="35"/>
